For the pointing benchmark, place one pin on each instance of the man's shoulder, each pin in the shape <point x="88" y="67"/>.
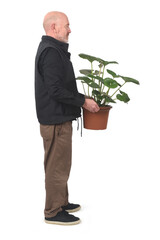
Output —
<point x="50" y="54"/>
<point x="50" y="51"/>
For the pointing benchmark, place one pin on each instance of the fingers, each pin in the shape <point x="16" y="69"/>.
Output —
<point x="91" y="105"/>
<point x="95" y="108"/>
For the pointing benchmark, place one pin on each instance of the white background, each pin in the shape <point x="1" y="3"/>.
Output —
<point x="115" y="174"/>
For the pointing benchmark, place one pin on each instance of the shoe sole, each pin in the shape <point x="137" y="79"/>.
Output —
<point x="73" y="210"/>
<point x="63" y="223"/>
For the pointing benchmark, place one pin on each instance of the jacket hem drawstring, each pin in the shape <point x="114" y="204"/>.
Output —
<point x="78" y="124"/>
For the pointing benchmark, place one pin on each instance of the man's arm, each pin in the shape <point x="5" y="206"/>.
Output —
<point x="52" y="70"/>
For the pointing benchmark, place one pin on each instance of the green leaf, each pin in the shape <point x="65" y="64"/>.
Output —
<point x="92" y="58"/>
<point x="85" y="71"/>
<point x="96" y="72"/>
<point x="95" y="92"/>
<point x="85" y="79"/>
<point x="100" y="60"/>
<point x="89" y="57"/>
<point x="114" y="75"/>
<point x="128" y="79"/>
<point x="89" y="82"/>
<point x="123" y="97"/>
<point x="96" y="77"/>
<point x="106" y="62"/>
<point x="98" y="102"/>
<point x="93" y="85"/>
<point x="88" y="71"/>
<point x="108" y="99"/>
<point x="109" y="82"/>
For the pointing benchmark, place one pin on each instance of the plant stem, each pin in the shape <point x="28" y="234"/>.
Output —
<point x="92" y="78"/>
<point x="99" y="71"/>
<point x="102" y="77"/>
<point x="103" y="71"/>
<point x="108" y="91"/>
<point x="99" y="76"/>
<point x="91" y="67"/>
<point x="118" y="89"/>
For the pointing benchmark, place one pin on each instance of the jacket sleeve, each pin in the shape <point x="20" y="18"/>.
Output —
<point x="52" y="71"/>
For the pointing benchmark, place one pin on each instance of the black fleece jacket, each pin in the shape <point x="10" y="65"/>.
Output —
<point x="56" y="94"/>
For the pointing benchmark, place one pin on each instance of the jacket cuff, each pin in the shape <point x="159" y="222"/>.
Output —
<point x="80" y="99"/>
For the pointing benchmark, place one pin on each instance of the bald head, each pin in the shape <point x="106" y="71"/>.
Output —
<point x="51" y="18"/>
<point x="56" y="25"/>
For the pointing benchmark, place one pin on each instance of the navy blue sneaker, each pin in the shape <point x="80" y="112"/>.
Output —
<point x="71" y="207"/>
<point x="63" y="218"/>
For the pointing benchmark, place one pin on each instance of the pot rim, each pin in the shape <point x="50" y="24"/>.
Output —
<point x="104" y="108"/>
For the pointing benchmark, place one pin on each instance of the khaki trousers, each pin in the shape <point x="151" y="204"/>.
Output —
<point x="57" y="140"/>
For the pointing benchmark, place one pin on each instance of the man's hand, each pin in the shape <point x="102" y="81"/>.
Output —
<point x="91" y="105"/>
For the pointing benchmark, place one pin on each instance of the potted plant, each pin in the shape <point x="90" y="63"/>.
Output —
<point x="103" y="89"/>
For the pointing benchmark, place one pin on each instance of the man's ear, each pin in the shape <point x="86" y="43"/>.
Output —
<point x="53" y="27"/>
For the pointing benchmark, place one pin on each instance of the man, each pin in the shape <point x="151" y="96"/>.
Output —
<point x="58" y="103"/>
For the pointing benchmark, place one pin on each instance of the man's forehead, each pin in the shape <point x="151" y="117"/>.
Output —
<point x="67" y="22"/>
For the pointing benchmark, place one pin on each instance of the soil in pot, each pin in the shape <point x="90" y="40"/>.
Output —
<point x="98" y="120"/>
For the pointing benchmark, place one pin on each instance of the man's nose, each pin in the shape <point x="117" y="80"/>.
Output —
<point x="69" y="30"/>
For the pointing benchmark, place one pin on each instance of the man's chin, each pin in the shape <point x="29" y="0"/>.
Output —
<point x="64" y="40"/>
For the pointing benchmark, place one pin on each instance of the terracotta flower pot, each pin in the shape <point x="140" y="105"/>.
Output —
<point x="98" y="120"/>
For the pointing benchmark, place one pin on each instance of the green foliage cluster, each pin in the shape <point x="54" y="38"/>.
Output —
<point x="99" y="87"/>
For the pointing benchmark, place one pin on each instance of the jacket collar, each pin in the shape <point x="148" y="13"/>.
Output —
<point x="64" y="46"/>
